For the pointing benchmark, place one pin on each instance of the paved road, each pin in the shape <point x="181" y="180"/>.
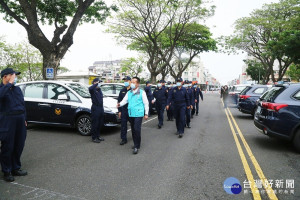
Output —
<point x="64" y="165"/>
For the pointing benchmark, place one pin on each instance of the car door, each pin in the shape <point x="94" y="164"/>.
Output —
<point x="61" y="111"/>
<point x="35" y="102"/>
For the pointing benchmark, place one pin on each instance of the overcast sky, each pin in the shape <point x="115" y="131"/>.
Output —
<point x="91" y="43"/>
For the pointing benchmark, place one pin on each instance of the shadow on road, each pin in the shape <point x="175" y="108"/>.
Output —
<point x="275" y="144"/>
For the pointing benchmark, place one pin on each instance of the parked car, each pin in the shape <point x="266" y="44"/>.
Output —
<point x="235" y="91"/>
<point x="278" y="113"/>
<point x="248" y="97"/>
<point x="66" y="104"/>
<point x="111" y="89"/>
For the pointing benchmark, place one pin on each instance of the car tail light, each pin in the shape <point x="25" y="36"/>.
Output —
<point x="244" y="96"/>
<point x="273" y="106"/>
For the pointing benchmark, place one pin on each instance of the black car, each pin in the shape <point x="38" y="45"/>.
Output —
<point x="66" y="104"/>
<point x="248" y="97"/>
<point x="278" y="113"/>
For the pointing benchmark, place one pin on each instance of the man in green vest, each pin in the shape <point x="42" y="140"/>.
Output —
<point x="138" y="107"/>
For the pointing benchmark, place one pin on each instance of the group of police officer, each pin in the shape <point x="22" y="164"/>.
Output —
<point x="181" y="102"/>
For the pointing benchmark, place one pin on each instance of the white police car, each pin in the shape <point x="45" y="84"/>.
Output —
<point x="63" y="103"/>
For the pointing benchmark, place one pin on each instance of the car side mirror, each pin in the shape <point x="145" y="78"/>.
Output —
<point x="62" y="97"/>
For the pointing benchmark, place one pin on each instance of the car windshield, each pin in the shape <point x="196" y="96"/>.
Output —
<point x="80" y="89"/>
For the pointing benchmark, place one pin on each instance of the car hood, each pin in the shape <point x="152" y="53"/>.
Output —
<point x="109" y="104"/>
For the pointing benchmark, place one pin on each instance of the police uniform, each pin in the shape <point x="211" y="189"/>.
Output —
<point x="161" y="96"/>
<point x="197" y="93"/>
<point x="124" y="114"/>
<point x="148" y="91"/>
<point x="97" y="111"/>
<point x="12" y="116"/>
<point x="180" y="99"/>
<point x="188" y="111"/>
<point x="170" y="110"/>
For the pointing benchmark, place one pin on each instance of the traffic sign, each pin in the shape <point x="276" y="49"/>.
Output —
<point x="49" y="73"/>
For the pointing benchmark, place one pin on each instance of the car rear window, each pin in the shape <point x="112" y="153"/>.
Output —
<point x="80" y="89"/>
<point x="245" y="90"/>
<point x="297" y="96"/>
<point x="271" y="95"/>
<point x="259" y="90"/>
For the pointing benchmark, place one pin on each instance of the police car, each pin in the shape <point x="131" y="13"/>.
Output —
<point x="61" y="103"/>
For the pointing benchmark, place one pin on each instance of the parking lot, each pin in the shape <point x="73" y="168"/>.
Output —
<point x="64" y="165"/>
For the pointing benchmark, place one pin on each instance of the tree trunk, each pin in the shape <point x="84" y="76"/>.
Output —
<point x="50" y="61"/>
<point x="153" y="77"/>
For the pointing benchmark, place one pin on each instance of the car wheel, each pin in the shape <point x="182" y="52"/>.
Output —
<point x="84" y="125"/>
<point x="296" y="140"/>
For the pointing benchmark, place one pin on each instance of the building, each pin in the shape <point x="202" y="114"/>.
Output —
<point x="79" y="77"/>
<point x="108" y="70"/>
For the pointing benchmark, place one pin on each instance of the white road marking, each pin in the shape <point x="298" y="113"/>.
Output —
<point x="39" y="193"/>
<point x="144" y="122"/>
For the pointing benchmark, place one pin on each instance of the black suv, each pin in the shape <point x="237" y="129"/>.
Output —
<point x="278" y="113"/>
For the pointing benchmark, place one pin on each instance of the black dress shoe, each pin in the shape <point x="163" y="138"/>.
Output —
<point x="8" y="177"/>
<point x="123" y="142"/>
<point x="180" y="135"/>
<point x="189" y="126"/>
<point x="100" y="138"/>
<point x="135" y="151"/>
<point x="159" y="126"/>
<point x="19" y="172"/>
<point x="197" y="114"/>
<point x="96" y="140"/>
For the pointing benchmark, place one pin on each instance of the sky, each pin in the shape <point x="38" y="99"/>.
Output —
<point x="92" y="44"/>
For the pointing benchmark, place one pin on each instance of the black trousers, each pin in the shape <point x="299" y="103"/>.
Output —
<point x="13" y="144"/>
<point x="124" y="120"/>
<point x="97" y="120"/>
<point x="136" y="127"/>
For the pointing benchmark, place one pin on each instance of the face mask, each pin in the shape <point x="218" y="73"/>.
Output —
<point x="132" y="86"/>
<point x="195" y="86"/>
<point x="159" y="85"/>
<point x="178" y="84"/>
<point x="15" y="81"/>
<point x="126" y="84"/>
<point x="99" y="85"/>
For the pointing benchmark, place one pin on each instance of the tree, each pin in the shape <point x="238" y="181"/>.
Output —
<point x="255" y="70"/>
<point x="31" y="14"/>
<point x="258" y="34"/>
<point x="294" y="72"/>
<point x="195" y="40"/>
<point x="24" y="58"/>
<point x="146" y="25"/>
<point x="132" y="66"/>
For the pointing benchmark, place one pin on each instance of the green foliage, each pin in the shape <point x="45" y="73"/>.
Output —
<point x="270" y="33"/>
<point x="255" y="70"/>
<point x="59" y="11"/>
<point x="294" y="72"/>
<point x="132" y="66"/>
<point x="22" y="57"/>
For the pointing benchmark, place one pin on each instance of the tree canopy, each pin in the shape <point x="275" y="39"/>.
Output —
<point x="63" y="15"/>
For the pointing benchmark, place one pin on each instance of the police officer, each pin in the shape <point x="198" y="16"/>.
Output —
<point x="197" y="92"/>
<point x="149" y="95"/>
<point x="138" y="107"/>
<point x="97" y="110"/>
<point x="160" y="95"/>
<point x="12" y="114"/>
<point x="191" y="98"/>
<point x="180" y="98"/>
<point x="170" y="111"/>
<point x="123" y="111"/>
